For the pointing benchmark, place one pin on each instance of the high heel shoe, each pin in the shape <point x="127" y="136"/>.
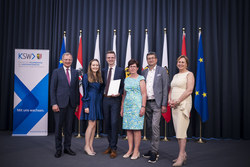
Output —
<point x="184" y="159"/>
<point x="88" y="152"/>
<point x="181" y="162"/>
<point x="135" y="157"/>
<point x="127" y="155"/>
<point x="93" y="152"/>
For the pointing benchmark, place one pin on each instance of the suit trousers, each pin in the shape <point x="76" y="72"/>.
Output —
<point x="63" y="120"/>
<point x="111" y="112"/>
<point x="153" y="117"/>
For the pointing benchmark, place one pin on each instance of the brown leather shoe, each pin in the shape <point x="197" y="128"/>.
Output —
<point x="107" y="151"/>
<point x="113" y="154"/>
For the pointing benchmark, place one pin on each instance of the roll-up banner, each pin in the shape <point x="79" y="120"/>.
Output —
<point x="31" y="88"/>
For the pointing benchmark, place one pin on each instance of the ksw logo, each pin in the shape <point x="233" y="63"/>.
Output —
<point x="26" y="56"/>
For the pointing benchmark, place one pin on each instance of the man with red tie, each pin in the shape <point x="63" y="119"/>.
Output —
<point x="64" y="96"/>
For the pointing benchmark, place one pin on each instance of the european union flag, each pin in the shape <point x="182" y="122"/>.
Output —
<point x="200" y="101"/>
<point x="63" y="50"/>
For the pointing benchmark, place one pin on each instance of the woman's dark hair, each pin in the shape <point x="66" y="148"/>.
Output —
<point x="133" y="61"/>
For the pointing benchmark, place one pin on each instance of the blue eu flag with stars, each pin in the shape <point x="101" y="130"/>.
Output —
<point x="63" y="50"/>
<point x="200" y="101"/>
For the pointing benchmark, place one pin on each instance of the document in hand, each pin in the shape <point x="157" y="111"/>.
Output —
<point x="114" y="87"/>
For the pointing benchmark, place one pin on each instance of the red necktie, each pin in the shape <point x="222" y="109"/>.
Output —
<point x="67" y="73"/>
<point x="108" y="82"/>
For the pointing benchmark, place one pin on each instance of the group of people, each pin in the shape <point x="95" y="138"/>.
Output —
<point x="138" y="96"/>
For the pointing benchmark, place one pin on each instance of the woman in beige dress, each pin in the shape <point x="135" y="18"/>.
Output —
<point x="180" y="100"/>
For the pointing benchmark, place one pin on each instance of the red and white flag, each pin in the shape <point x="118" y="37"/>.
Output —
<point x="144" y="63"/>
<point x="97" y="47"/>
<point x="79" y="66"/>
<point x="183" y="48"/>
<point x="166" y="115"/>
<point x="114" y="45"/>
<point x="128" y="54"/>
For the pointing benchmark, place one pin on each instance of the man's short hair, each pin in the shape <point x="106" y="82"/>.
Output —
<point x="67" y="53"/>
<point x="151" y="53"/>
<point x="110" y="51"/>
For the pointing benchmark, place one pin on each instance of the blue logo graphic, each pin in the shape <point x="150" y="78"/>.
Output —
<point x="30" y="56"/>
<point x="24" y="119"/>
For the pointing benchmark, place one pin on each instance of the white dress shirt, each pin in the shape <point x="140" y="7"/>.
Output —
<point x="150" y="83"/>
<point x="65" y="70"/>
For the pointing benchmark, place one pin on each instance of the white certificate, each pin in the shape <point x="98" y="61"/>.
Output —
<point x="114" y="87"/>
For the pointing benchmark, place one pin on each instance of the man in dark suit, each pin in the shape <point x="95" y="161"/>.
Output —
<point x="112" y="103"/>
<point x="157" y="96"/>
<point x="64" y="96"/>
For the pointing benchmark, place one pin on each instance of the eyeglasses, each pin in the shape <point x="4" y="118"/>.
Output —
<point x="132" y="66"/>
<point x="151" y="58"/>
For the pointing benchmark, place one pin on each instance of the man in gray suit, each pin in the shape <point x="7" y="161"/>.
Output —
<point x="157" y="96"/>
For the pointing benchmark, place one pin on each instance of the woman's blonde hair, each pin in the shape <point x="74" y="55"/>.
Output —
<point x="185" y="57"/>
<point x="91" y="77"/>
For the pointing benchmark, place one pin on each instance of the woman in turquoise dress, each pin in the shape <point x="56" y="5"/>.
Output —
<point x="133" y="108"/>
<point x="92" y="103"/>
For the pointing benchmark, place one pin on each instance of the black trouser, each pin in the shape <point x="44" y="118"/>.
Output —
<point x="63" y="120"/>
<point x="111" y="112"/>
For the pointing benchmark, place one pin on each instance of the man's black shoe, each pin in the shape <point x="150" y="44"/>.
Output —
<point x="147" y="155"/>
<point x="58" y="154"/>
<point x="69" y="151"/>
<point x="153" y="158"/>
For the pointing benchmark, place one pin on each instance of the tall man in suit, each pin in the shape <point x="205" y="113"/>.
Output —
<point x="64" y="96"/>
<point x="112" y="103"/>
<point x="157" y="96"/>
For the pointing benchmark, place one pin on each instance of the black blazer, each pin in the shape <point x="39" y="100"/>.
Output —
<point x="61" y="93"/>
<point x="119" y="74"/>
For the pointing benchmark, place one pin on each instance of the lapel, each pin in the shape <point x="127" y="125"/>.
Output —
<point x="156" y="72"/>
<point x="146" y="73"/>
<point x="105" y="74"/>
<point x="116" y="71"/>
<point x="71" y="73"/>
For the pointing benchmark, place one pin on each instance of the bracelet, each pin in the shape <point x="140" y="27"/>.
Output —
<point x="143" y="106"/>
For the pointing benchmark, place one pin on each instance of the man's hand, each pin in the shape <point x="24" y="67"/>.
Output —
<point x="163" y="109"/>
<point x="115" y="95"/>
<point x="76" y="108"/>
<point x="55" y="108"/>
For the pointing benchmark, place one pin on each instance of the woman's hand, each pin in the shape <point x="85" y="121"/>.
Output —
<point x="142" y="111"/>
<point x="175" y="103"/>
<point x="121" y="113"/>
<point x="86" y="110"/>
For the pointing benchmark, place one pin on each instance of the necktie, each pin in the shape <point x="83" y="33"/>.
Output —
<point x="67" y="73"/>
<point x="108" y="82"/>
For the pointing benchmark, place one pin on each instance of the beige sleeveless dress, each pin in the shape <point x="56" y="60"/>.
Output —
<point x="181" y="113"/>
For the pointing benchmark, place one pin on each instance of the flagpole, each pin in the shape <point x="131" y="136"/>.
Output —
<point x="64" y="35"/>
<point x="165" y="132"/>
<point x="127" y="74"/>
<point x="79" y="122"/>
<point x="97" y="130"/>
<point x="165" y="124"/>
<point x="200" y="139"/>
<point x="144" y="66"/>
